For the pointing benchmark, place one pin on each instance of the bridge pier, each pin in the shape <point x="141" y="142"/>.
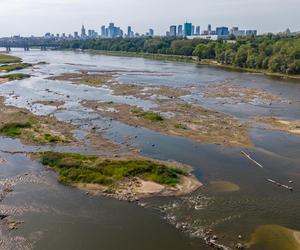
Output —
<point x="8" y="48"/>
<point x="26" y="48"/>
<point x="43" y="48"/>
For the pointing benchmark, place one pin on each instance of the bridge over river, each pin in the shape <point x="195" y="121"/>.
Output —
<point x="27" y="43"/>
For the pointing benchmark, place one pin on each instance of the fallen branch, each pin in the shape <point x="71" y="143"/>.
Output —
<point x="280" y="185"/>
<point x="249" y="157"/>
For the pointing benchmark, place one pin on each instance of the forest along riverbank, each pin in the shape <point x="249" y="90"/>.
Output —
<point x="93" y="120"/>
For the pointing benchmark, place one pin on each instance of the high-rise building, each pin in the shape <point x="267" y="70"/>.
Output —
<point x="197" y="31"/>
<point x="151" y="32"/>
<point x="83" y="33"/>
<point x="187" y="29"/>
<point x="129" y="31"/>
<point x="251" y="32"/>
<point x="103" y="33"/>
<point x="193" y="30"/>
<point x="180" y="30"/>
<point x="173" y="30"/>
<point x="76" y="34"/>
<point x="111" y="30"/>
<point x="222" y="31"/>
<point x="209" y="29"/>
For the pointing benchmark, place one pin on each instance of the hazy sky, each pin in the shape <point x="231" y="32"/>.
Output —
<point x="36" y="17"/>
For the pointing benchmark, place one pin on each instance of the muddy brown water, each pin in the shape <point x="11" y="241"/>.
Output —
<point x="59" y="217"/>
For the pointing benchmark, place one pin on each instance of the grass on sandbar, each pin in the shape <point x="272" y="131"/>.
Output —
<point x="148" y="115"/>
<point x="76" y="168"/>
<point x="17" y="76"/>
<point x="15" y="66"/>
<point x="9" y="59"/>
<point x="14" y="129"/>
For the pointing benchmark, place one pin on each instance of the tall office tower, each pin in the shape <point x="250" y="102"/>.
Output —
<point x="129" y="31"/>
<point x="173" y="30"/>
<point x="209" y="29"/>
<point x="111" y="30"/>
<point x="234" y="31"/>
<point x="180" y="30"/>
<point x="187" y="29"/>
<point x="83" y="33"/>
<point x="193" y="30"/>
<point x="222" y="31"/>
<point x="76" y="34"/>
<point x="103" y="33"/>
<point x="251" y="32"/>
<point x="151" y="32"/>
<point x="197" y="31"/>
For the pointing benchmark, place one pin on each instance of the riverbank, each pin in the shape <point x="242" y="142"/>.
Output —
<point x="194" y="60"/>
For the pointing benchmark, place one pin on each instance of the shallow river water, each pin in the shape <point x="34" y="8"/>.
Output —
<point x="59" y="217"/>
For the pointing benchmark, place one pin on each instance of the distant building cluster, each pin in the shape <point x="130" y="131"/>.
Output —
<point x="110" y="31"/>
<point x="192" y="31"/>
<point x="187" y="29"/>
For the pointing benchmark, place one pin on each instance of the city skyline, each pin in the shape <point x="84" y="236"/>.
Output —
<point x="186" y="29"/>
<point x="65" y="15"/>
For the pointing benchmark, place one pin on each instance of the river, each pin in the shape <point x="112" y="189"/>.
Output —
<point x="60" y="217"/>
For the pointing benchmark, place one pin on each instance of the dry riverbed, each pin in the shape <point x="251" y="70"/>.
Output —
<point x="290" y="126"/>
<point x="179" y="119"/>
<point x="30" y="129"/>
<point x="235" y="93"/>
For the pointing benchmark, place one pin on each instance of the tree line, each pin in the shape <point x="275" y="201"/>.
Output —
<point x="274" y="53"/>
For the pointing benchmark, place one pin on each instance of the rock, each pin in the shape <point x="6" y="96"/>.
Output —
<point x="240" y="237"/>
<point x="215" y="237"/>
<point x="239" y="246"/>
<point x="3" y="216"/>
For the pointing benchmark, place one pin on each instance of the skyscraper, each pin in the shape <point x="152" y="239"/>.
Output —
<point x="129" y="31"/>
<point x="209" y="29"/>
<point x="197" y="31"/>
<point x="187" y="29"/>
<point x="151" y="32"/>
<point x="180" y="30"/>
<point x="173" y="30"/>
<point x="103" y="33"/>
<point x="111" y="30"/>
<point x="222" y="31"/>
<point x="193" y="30"/>
<point x="83" y="33"/>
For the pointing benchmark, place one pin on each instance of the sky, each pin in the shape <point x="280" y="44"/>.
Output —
<point x="36" y="17"/>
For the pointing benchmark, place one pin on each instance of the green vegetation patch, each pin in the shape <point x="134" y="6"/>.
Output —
<point x="30" y="129"/>
<point x="14" y="129"/>
<point x="9" y="59"/>
<point x="180" y="126"/>
<point x="15" y="66"/>
<point x="17" y="76"/>
<point x="148" y="115"/>
<point x="76" y="168"/>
